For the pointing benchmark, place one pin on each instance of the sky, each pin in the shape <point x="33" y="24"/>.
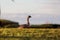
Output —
<point x="42" y="11"/>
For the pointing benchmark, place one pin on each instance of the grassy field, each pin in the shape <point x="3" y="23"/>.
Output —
<point x="29" y="34"/>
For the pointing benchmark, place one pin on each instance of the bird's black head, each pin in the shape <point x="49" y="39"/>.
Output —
<point x="29" y="16"/>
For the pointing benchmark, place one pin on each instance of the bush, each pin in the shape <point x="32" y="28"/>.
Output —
<point x="8" y="24"/>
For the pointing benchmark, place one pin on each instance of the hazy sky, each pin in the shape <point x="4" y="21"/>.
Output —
<point x="42" y="11"/>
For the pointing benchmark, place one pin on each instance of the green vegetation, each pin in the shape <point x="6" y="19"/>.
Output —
<point x="8" y="24"/>
<point x="46" y="26"/>
<point x="11" y="24"/>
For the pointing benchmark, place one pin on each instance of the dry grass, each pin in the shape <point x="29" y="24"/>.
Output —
<point x="30" y="34"/>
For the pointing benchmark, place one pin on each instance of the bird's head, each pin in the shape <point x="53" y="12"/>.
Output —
<point x="29" y="16"/>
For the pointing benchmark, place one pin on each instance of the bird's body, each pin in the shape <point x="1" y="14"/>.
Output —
<point x="25" y="25"/>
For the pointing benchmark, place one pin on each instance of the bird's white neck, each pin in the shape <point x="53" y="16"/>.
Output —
<point x="28" y="23"/>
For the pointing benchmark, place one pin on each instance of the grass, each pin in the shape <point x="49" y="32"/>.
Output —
<point x="29" y="34"/>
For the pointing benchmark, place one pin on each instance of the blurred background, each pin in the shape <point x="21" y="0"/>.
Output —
<point x="42" y="11"/>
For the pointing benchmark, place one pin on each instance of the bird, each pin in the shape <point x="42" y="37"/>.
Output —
<point x="26" y="25"/>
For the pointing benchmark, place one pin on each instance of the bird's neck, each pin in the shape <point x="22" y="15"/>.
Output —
<point x="28" y="23"/>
